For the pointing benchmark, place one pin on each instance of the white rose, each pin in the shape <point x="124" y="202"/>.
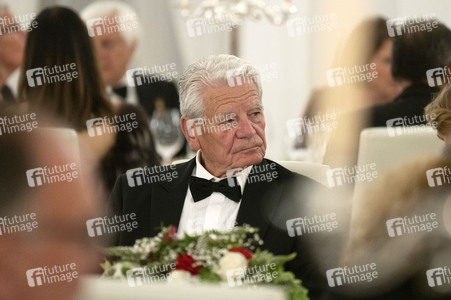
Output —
<point x="232" y="261"/>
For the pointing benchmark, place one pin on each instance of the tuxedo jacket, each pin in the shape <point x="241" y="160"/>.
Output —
<point x="266" y="204"/>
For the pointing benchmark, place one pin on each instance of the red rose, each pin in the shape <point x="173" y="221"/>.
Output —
<point x="185" y="262"/>
<point x="151" y="257"/>
<point x="246" y="253"/>
<point x="170" y="236"/>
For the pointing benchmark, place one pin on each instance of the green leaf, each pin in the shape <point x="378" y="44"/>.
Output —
<point x="106" y="266"/>
<point x="208" y="275"/>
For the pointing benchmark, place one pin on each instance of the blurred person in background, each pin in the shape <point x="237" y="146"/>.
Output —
<point x="43" y="226"/>
<point x="413" y="55"/>
<point x="11" y="53"/>
<point x="115" y="50"/>
<point x="368" y="43"/>
<point x="119" y="139"/>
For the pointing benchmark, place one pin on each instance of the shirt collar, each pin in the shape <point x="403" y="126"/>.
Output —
<point x="201" y="172"/>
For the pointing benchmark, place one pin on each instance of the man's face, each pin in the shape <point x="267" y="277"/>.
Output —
<point x="114" y="55"/>
<point x="244" y="143"/>
<point x="11" y="46"/>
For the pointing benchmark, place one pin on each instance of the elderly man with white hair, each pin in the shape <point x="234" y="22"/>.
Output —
<point x="229" y="182"/>
<point x="116" y="48"/>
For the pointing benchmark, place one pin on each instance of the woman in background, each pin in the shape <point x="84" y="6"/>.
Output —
<point x="61" y="47"/>
<point x="368" y="43"/>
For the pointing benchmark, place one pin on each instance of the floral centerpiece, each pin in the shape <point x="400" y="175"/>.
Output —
<point x="213" y="256"/>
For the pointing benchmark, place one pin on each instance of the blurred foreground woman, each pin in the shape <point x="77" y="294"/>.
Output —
<point x="44" y="247"/>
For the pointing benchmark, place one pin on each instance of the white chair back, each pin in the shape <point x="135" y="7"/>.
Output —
<point x="390" y="147"/>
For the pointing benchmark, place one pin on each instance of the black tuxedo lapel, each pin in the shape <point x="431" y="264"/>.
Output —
<point x="168" y="198"/>
<point x="259" y="203"/>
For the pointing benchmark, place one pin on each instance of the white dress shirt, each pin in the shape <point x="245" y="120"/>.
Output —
<point x="214" y="212"/>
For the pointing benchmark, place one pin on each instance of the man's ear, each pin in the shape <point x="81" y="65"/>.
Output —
<point x="190" y="132"/>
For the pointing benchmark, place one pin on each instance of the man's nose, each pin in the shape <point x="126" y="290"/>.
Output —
<point x="245" y="128"/>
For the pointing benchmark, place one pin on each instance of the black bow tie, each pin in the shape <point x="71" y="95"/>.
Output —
<point x="121" y="91"/>
<point x="202" y="188"/>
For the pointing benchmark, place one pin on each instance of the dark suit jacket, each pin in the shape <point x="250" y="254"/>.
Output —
<point x="411" y="102"/>
<point x="266" y="205"/>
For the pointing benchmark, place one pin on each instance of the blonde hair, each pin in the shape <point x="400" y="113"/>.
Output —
<point x="439" y="111"/>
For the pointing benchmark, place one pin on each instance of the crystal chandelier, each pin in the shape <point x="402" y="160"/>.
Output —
<point x="238" y="9"/>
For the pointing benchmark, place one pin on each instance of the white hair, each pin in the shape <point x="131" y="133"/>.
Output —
<point x="100" y="9"/>
<point x="211" y="71"/>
